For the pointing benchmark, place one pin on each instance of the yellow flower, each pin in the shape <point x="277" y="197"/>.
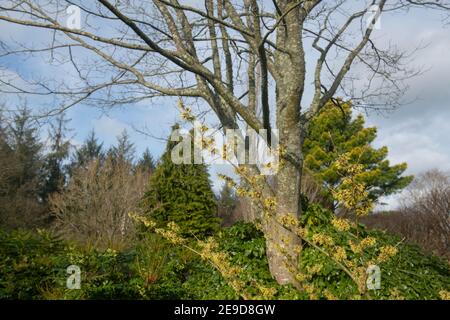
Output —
<point x="368" y="242"/>
<point x="444" y="295"/>
<point x="386" y="253"/>
<point x="341" y="224"/>
<point x="322" y="239"/>
<point x="327" y="294"/>
<point x="340" y="254"/>
<point x="270" y="203"/>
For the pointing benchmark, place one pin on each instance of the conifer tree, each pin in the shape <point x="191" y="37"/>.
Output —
<point x="27" y="148"/>
<point x="54" y="171"/>
<point x="90" y="150"/>
<point x="146" y="163"/>
<point x="21" y="163"/>
<point x="181" y="193"/>
<point x="124" y="150"/>
<point x="334" y="132"/>
<point x="227" y="202"/>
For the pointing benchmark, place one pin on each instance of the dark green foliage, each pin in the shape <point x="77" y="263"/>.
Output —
<point x="123" y="151"/>
<point x="21" y="162"/>
<point x="181" y="193"/>
<point x="33" y="266"/>
<point x="413" y="273"/>
<point x="54" y="175"/>
<point x="90" y="150"/>
<point x="226" y="204"/>
<point x="27" y="149"/>
<point x="146" y="163"/>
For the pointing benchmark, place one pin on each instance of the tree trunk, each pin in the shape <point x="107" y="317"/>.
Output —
<point x="282" y="245"/>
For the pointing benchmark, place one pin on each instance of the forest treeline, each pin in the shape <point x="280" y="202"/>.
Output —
<point x="87" y="191"/>
<point x="76" y="205"/>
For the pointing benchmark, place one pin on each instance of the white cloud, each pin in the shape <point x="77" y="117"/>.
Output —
<point x="109" y="127"/>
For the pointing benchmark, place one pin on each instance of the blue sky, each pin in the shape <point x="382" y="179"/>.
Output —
<point x="417" y="133"/>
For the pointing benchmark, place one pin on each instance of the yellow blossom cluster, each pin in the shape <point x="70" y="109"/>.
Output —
<point x="322" y="239"/>
<point x="270" y="203"/>
<point x="340" y="254"/>
<point x="368" y="242"/>
<point x="363" y="244"/>
<point x="444" y="295"/>
<point x="395" y="294"/>
<point x="386" y="253"/>
<point x="172" y="233"/>
<point x="315" y="269"/>
<point x="341" y="224"/>
<point x="147" y="222"/>
<point x="328" y="295"/>
<point x="186" y="112"/>
<point x="351" y="192"/>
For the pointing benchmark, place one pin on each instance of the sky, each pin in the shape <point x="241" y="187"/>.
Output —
<point x="417" y="133"/>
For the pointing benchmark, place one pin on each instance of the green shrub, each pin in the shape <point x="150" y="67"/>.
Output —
<point x="33" y="266"/>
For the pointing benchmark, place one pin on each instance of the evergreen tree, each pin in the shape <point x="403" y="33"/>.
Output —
<point x="90" y="150"/>
<point x="146" y="162"/>
<point x="54" y="172"/>
<point x="124" y="150"/>
<point x="226" y="203"/>
<point x="334" y="132"/>
<point x="26" y="146"/>
<point x="21" y="164"/>
<point x="181" y="193"/>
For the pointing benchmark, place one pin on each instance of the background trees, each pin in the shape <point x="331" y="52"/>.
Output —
<point x="424" y="215"/>
<point x="54" y="168"/>
<point x="91" y="149"/>
<point x="226" y="204"/>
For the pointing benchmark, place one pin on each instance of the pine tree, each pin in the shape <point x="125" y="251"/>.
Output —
<point x="21" y="163"/>
<point x="54" y="171"/>
<point x="334" y="132"/>
<point x="124" y="150"/>
<point x="26" y="146"/>
<point x="181" y="193"/>
<point x="90" y="150"/>
<point x="226" y="203"/>
<point x="146" y="162"/>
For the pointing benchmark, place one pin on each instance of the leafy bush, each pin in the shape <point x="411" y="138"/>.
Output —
<point x="33" y="266"/>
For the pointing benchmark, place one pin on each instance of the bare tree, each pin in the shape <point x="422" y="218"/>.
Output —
<point x="95" y="204"/>
<point x="424" y="214"/>
<point x="426" y="206"/>
<point x="245" y="60"/>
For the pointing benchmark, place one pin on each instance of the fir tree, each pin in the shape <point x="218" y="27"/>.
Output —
<point x="181" y="193"/>
<point x="226" y="203"/>
<point x="124" y="150"/>
<point x="27" y="148"/>
<point x="146" y="163"/>
<point x="54" y="171"/>
<point x="90" y="150"/>
<point x="21" y="162"/>
<point x="334" y="132"/>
